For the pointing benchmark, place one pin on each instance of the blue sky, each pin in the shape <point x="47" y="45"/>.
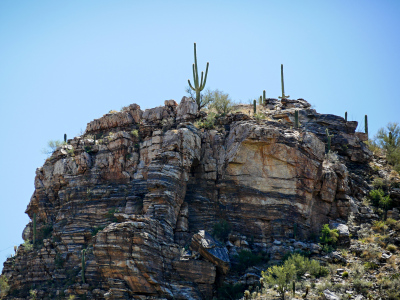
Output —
<point x="65" y="63"/>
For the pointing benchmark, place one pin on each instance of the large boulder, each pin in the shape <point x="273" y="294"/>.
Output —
<point x="211" y="250"/>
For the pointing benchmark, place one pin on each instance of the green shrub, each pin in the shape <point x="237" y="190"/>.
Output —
<point x="390" y="222"/>
<point x="230" y="291"/>
<point x="27" y="245"/>
<point x="246" y="259"/>
<point x="345" y="274"/>
<point x="52" y="146"/>
<point x="391" y="248"/>
<point x="376" y="196"/>
<point x="135" y="133"/>
<point x="280" y="276"/>
<point x="258" y="117"/>
<point x="96" y="229"/>
<point x="328" y="237"/>
<point x="219" y="101"/>
<point x="208" y="122"/>
<point x="4" y="286"/>
<point x="221" y="230"/>
<point x="110" y="215"/>
<point x="305" y="265"/>
<point x="59" y="261"/>
<point x="362" y="286"/>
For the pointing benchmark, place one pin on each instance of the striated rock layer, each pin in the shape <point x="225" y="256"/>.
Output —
<point x="142" y="191"/>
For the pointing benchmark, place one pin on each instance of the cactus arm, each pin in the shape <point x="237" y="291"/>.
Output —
<point x="191" y="85"/>
<point x="205" y="78"/>
<point x="195" y="77"/>
<point x="201" y="80"/>
<point x="195" y="60"/>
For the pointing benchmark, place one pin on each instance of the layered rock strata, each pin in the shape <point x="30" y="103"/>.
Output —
<point x="139" y="189"/>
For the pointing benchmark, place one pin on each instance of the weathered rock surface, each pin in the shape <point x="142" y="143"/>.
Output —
<point x="139" y="187"/>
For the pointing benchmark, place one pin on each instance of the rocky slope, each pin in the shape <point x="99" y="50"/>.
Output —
<point x="142" y="192"/>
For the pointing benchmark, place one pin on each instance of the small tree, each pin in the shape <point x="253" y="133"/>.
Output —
<point x="281" y="276"/>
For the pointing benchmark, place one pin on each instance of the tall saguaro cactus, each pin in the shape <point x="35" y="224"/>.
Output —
<point x="345" y="116"/>
<point x="366" y="124"/>
<point x="198" y="85"/>
<point x="65" y="137"/>
<point x="83" y="265"/>
<point x="283" y="86"/>
<point x="255" y="106"/>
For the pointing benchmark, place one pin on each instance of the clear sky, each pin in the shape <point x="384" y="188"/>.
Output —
<point x="65" y="63"/>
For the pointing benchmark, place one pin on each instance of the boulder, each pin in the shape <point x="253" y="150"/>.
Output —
<point x="211" y="250"/>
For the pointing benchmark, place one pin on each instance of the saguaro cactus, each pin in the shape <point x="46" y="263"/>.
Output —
<point x="283" y="86"/>
<point x="390" y="138"/>
<point x="65" y="137"/>
<point x="296" y="119"/>
<point x="34" y="228"/>
<point x="263" y="99"/>
<point x="345" y="116"/>
<point x="198" y="86"/>
<point x="255" y="106"/>
<point x="366" y="124"/>
<point x="329" y="136"/>
<point x="83" y="265"/>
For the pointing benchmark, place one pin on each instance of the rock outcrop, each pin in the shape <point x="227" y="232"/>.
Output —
<point x="140" y="188"/>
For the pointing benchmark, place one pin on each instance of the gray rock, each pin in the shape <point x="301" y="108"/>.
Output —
<point x="330" y="295"/>
<point x="211" y="250"/>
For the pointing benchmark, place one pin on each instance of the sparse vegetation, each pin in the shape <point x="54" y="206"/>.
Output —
<point x="52" y="146"/>
<point x="219" y="101"/>
<point x="221" y="230"/>
<point x="387" y="141"/>
<point x="4" y="286"/>
<point x="328" y="238"/>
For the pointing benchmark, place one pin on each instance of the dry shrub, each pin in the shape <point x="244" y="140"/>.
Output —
<point x="392" y="248"/>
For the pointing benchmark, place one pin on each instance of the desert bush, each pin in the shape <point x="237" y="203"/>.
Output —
<point x="4" y="286"/>
<point x="230" y="291"/>
<point x="280" y="276"/>
<point x="328" y="238"/>
<point x="27" y="245"/>
<point x="376" y="196"/>
<point x="390" y="143"/>
<point x="135" y="133"/>
<point x="52" y="146"/>
<point x="207" y="123"/>
<point x="245" y="259"/>
<point x="304" y="265"/>
<point x="219" y="101"/>
<point x="379" y="226"/>
<point x="362" y="286"/>
<point x="391" y="248"/>
<point x="259" y="117"/>
<point x="221" y="230"/>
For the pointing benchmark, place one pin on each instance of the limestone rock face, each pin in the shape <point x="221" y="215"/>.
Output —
<point x="138" y="189"/>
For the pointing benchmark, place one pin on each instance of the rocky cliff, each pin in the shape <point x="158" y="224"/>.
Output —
<point x="143" y="191"/>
